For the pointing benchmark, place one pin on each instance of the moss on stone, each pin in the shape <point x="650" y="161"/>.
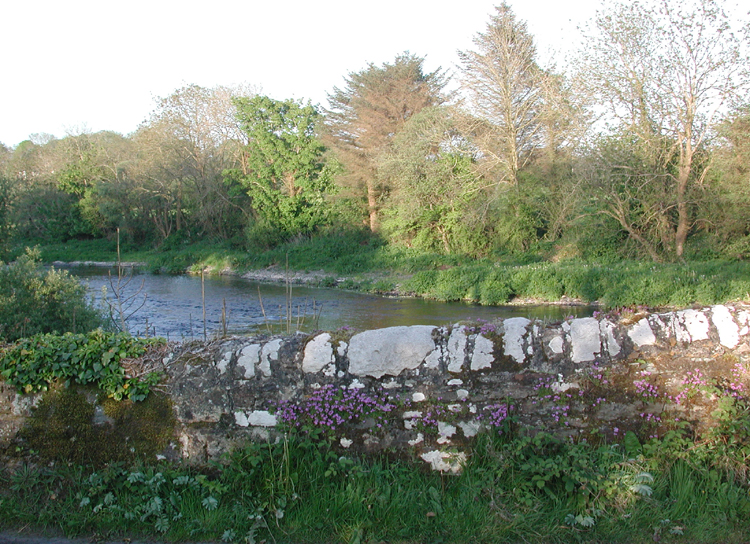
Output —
<point x="64" y="427"/>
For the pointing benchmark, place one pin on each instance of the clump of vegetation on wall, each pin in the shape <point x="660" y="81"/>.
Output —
<point x="64" y="427"/>
<point x="33" y="364"/>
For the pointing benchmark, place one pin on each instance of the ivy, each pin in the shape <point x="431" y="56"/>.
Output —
<point x="32" y="364"/>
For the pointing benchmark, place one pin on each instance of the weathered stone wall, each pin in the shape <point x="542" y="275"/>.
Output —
<point x="591" y="377"/>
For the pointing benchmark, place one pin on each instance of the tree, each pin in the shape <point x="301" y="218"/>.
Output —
<point x="506" y="89"/>
<point x="182" y="151"/>
<point x="435" y="200"/>
<point x="726" y="212"/>
<point x="369" y="111"/>
<point x="286" y="177"/>
<point x="664" y="72"/>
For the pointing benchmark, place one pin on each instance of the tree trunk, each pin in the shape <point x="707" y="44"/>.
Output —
<point x="618" y="215"/>
<point x="372" y="204"/>
<point x="683" y="216"/>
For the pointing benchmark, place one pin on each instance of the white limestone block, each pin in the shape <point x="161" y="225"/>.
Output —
<point x="457" y="349"/>
<point x="270" y="352"/>
<point x="433" y="359"/>
<point x="318" y="353"/>
<point x="482" y="356"/>
<point x="557" y="345"/>
<point x="222" y="364"/>
<point x="695" y="324"/>
<point x="585" y="339"/>
<point x="469" y="428"/>
<point x="257" y="418"/>
<point x="261" y="418"/>
<point x="444" y="461"/>
<point x="514" y="336"/>
<point x="249" y="357"/>
<point x="418" y="440"/>
<point x="445" y="431"/>
<point x="389" y="351"/>
<point x="607" y="330"/>
<point x="641" y="334"/>
<point x="729" y="332"/>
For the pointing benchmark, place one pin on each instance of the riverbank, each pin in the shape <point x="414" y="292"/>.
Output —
<point x="385" y="270"/>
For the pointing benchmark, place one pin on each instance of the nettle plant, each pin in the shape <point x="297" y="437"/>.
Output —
<point x="154" y="496"/>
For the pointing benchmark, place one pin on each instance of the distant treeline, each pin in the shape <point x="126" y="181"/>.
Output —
<point x="639" y="148"/>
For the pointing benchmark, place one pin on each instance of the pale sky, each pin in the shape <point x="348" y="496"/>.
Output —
<point x="73" y="65"/>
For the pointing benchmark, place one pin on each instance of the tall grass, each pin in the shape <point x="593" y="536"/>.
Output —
<point x="513" y="489"/>
<point x="614" y="285"/>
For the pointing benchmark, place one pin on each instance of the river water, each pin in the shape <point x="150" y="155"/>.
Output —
<point x="172" y="306"/>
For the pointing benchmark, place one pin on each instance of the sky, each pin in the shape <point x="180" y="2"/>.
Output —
<point x="71" y="66"/>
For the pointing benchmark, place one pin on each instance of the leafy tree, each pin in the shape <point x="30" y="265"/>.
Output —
<point x="39" y="210"/>
<point x="89" y="162"/>
<point x="624" y="183"/>
<point x="435" y="200"/>
<point x="368" y="112"/>
<point x="663" y="72"/>
<point x="726" y="212"/>
<point x="286" y="177"/>
<point x="33" y="301"/>
<point x="6" y="221"/>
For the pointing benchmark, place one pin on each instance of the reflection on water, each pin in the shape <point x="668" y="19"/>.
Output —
<point x="173" y="306"/>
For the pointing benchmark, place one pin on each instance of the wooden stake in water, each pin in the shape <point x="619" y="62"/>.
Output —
<point x="224" y="317"/>
<point x="203" y="299"/>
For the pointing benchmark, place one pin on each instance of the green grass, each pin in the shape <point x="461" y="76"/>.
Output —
<point x="301" y="490"/>
<point x="614" y="285"/>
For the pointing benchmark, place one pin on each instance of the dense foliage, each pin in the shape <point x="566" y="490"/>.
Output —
<point x="38" y="362"/>
<point x="34" y="301"/>
<point x="514" y="488"/>
<point x="637" y="150"/>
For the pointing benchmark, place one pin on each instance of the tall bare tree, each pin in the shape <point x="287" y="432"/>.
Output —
<point x="190" y="139"/>
<point x="664" y="71"/>
<point x="506" y="90"/>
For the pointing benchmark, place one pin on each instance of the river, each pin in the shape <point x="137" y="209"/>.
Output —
<point x="172" y="306"/>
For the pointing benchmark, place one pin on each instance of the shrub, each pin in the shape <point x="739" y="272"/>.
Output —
<point x="33" y="301"/>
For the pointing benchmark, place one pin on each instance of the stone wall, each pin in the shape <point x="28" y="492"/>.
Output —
<point x="589" y="378"/>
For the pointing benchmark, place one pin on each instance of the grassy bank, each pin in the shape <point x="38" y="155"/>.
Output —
<point x="365" y="263"/>
<point x="521" y="489"/>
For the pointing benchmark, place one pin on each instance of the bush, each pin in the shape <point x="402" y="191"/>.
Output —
<point x="33" y="301"/>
